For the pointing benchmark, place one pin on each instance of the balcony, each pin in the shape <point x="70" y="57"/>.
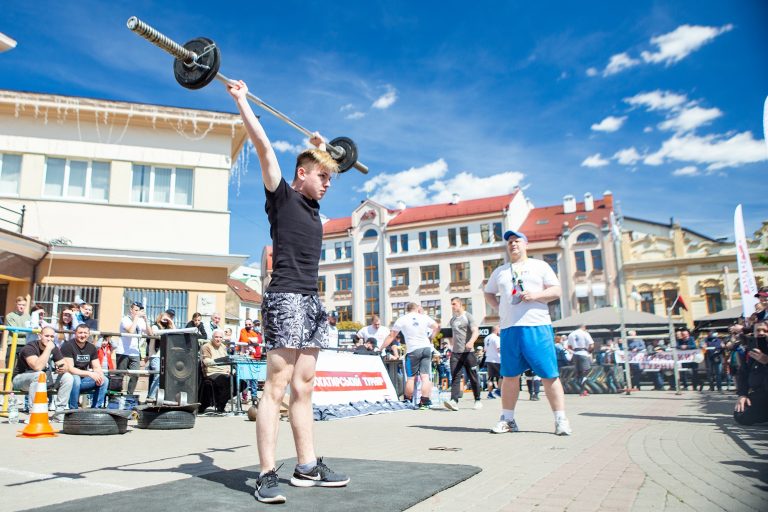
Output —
<point x="429" y="289"/>
<point x="459" y="286"/>
<point x="342" y="295"/>
<point x="400" y="290"/>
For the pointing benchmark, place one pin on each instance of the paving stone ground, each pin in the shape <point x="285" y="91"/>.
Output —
<point x="647" y="451"/>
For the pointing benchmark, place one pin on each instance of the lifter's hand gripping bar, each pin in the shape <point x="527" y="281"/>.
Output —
<point x="189" y="57"/>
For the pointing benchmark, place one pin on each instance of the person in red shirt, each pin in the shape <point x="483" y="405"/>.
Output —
<point x="250" y="334"/>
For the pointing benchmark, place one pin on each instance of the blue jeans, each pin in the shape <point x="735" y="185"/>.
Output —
<point x="87" y="384"/>
<point x="154" y="380"/>
<point x="715" y="374"/>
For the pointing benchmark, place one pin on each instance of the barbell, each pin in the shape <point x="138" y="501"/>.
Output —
<point x="197" y="64"/>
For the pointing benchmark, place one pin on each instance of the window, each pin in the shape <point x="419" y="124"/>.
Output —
<point x="337" y="249"/>
<point x="348" y="249"/>
<point x="433" y="239"/>
<point x="423" y="240"/>
<point x="581" y="264"/>
<point x="497" y="231"/>
<point x="430" y="274"/>
<point x="490" y="265"/>
<point x="597" y="259"/>
<point x="161" y="185"/>
<point x="393" y="244"/>
<point x="400" y="277"/>
<point x="157" y="301"/>
<point x="670" y="295"/>
<point x="371" y="263"/>
<point x="551" y="260"/>
<point x="432" y="309"/>
<point x="460" y="272"/>
<point x="467" y="303"/>
<point x="541" y="222"/>
<point x="398" y="309"/>
<point x="321" y="284"/>
<point x="714" y="300"/>
<point x="371" y="233"/>
<point x="485" y="233"/>
<point x="10" y="174"/>
<point x="451" y="237"/>
<point x="404" y="242"/>
<point x="56" y="298"/>
<point x="646" y="302"/>
<point x="76" y="179"/>
<point x="555" y="310"/>
<point x="343" y="282"/>
<point x="345" y="313"/>
<point x="600" y="301"/>
<point x="464" y="235"/>
<point x="322" y="252"/>
<point x="583" y="303"/>
<point x="586" y="238"/>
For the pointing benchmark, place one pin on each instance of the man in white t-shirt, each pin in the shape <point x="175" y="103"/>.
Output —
<point x="414" y="326"/>
<point x="492" y="344"/>
<point x="127" y="354"/>
<point x="520" y="290"/>
<point x="333" y="331"/>
<point x="582" y="344"/>
<point x="375" y="330"/>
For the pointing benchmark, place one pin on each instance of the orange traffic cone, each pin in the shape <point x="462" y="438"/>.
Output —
<point x="39" y="426"/>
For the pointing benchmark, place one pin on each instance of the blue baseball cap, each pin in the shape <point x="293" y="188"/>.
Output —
<point x="518" y="234"/>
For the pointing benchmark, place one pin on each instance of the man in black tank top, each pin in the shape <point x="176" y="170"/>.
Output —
<point x="295" y="322"/>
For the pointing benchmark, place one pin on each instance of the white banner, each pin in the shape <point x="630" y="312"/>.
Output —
<point x="660" y="360"/>
<point x="343" y="377"/>
<point x="747" y="283"/>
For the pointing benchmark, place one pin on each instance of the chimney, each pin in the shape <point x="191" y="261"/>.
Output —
<point x="589" y="202"/>
<point x="401" y="205"/>
<point x="608" y="199"/>
<point x="455" y="198"/>
<point x="569" y="204"/>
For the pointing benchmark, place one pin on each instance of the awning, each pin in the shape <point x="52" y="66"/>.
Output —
<point x="598" y="289"/>
<point x="581" y="290"/>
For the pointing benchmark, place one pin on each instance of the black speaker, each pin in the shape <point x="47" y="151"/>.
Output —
<point x="179" y="363"/>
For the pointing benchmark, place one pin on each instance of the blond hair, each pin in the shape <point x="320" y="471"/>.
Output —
<point x="318" y="157"/>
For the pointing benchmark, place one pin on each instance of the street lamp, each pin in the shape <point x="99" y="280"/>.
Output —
<point x="6" y="43"/>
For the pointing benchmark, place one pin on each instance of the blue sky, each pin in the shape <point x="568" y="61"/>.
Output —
<point x="659" y="102"/>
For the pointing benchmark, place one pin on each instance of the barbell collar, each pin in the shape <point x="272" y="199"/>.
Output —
<point x="160" y="40"/>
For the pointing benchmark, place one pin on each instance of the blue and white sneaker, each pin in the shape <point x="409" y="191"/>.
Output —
<point x="268" y="488"/>
<point x="319" y="476"/>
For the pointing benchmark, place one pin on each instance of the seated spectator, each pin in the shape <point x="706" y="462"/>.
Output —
<point x="19" y="317"/>
<point x="217" y="374"/>
<point x="107" y="361"/>
<point x="82" y="358"/>
<point x="367" y="348"/>
<point x="84" y="315"/>
<point x="34" y="359"/>
<point x="66" y="323"/>
<point x="197" y="322"/>
<point x="752" y="404"/>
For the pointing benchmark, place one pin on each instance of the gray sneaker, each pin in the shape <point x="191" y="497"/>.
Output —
<point x="503" y="426"/>
<point x="268" y="488"/>
<point x="319" y="476"/>
<point x="451" y="405"/>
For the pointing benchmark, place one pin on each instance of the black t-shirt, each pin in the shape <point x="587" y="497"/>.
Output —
<point x="297" y="236"/>
<point x="82" y="357"/>
<point x="33" y="349"/>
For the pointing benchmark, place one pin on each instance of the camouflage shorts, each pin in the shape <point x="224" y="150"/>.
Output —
<point x="293" y="320"/>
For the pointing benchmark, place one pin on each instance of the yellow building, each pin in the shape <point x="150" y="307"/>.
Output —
<point x="113" y="202"/>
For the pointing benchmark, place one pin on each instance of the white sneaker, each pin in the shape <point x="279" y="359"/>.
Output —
<point x="503" y="426"/>
<point x="478" y="405"/>
<point x="563" y="427"/>
<point x="451" y="405"/>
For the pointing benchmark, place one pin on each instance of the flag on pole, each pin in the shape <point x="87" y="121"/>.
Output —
<point x="679" y="300"/>
<point x="747" y="283"/>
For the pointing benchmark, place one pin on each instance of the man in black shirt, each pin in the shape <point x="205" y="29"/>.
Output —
<point x="35" y="358"/>
<point x="295" y="322"/>
<point x="83" y="361"/>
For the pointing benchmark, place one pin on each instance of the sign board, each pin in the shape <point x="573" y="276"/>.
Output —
<point x="206" y="304"/>
<point x="660" y="360"/>
<point x="343" y="377"/>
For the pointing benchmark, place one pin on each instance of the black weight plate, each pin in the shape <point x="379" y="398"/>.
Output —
<point x="193" y="76"/>
<point x="350" y="152"/>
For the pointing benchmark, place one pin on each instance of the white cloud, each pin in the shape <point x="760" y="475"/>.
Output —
<point x="592" y="72"/>
<point x="355" y="115"/>
<point x="609" y="124"/>
<point x="627" y="156"/>
<point x="282" y="146"/>
<point x="595" y="160"/>
<point x="424" y="185"/>
<point x="658" y="100"/>
<point x="690" y="170"/>
<point x="618" y="63"/>
<point x="714" y="151"/>
<point x="690" y="118"/>
<point x="386" y="100"/>
<point x="348" y="106"/>
<point x="647" y="129"/>
<point x="676" y="45"/>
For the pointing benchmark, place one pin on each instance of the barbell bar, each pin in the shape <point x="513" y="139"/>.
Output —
<point x="197" y="64"/>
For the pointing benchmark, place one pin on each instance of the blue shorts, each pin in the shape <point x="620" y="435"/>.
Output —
<point x="529" y="347"/>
